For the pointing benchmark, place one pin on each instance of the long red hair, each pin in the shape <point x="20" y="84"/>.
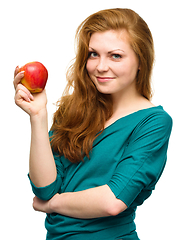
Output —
<point x="82" y="114"/>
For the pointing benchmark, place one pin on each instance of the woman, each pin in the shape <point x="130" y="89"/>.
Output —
<point x="108" y="142"/>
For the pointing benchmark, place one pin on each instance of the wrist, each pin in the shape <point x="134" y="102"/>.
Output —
<point x="54" y="203"/>
<point x="41" y="116"/>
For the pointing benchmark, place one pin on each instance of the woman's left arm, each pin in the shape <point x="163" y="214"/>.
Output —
<point x="91" y="203"/>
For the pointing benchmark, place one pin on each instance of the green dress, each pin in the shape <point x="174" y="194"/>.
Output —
<point x="129" y="156"/>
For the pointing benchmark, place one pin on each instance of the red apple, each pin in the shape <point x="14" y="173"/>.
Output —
<point x="35" y="76"/>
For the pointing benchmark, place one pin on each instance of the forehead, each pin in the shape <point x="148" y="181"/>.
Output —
<point x="112" y="39"/>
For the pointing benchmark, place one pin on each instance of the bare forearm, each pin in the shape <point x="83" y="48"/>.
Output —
<point x="42" y="169"/>
<point x="91" y="203"/>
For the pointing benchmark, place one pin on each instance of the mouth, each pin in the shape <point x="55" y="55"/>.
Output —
<point x="104" y="79"/>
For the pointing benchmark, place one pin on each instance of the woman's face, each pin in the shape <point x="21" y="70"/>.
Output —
<point x="112" y="64"/>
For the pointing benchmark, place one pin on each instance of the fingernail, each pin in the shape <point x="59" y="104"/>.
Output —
<point x="31" y="97"/>
<point x="22" y="73"/>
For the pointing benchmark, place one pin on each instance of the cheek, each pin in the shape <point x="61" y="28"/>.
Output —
<point x="90" y="67"/>
<point x="90" y="70"/>
<point x="128" y="71"/>
<point x="133" y="72"/>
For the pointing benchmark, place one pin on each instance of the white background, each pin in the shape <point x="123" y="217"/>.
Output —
<point x="41" y="30"/>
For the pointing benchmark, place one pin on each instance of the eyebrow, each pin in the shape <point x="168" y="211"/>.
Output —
<point x="118" y="49"/>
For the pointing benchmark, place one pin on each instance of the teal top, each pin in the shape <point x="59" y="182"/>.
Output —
<point x="129" y="156"/>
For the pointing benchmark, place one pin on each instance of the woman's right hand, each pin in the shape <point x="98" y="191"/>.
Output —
<point x="31" y="104"/>
<point x="42" y="168"/>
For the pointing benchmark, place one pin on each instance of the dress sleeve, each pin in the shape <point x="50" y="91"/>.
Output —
<point x="143" y="160"/>
<point x="47" y="192"/>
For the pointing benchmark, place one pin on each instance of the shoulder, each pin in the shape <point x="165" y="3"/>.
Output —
<point x="154" y="114"/>
<point x="154" y="122"/>
<point x="151" y="132"/>
<point x="157" y="116"/>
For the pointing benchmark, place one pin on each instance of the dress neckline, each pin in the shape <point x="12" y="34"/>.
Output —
<point x="133" y="113"/>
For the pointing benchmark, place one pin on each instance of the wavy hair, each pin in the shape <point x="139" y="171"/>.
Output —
<point x="81" y="115"/>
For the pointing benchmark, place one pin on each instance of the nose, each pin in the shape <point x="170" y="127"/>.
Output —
<point x="102" y="65"/>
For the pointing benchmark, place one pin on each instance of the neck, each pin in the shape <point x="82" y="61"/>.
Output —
<point x="124" y="101"/>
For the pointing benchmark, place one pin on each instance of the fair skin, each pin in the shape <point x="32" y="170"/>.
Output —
<point x="113" y="66"/>
<point x="113" y="71"/>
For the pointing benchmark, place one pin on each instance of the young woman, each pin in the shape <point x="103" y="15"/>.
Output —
<point x="108" y="142"/>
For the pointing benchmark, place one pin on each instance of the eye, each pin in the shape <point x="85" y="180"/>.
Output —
<point x="92" y="55"/>
<point x="116" y="56"/>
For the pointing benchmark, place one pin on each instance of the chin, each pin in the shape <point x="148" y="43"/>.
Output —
<point x="107" y="92"/>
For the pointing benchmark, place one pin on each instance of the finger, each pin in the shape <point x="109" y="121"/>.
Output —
<point x="18" y="78"/>
<point x="24" y="89"/>
<point x="16" y="71"/>
<point x="20" y="97"/>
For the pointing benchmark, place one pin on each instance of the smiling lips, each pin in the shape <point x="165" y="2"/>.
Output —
<point x="104" y="79"/>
